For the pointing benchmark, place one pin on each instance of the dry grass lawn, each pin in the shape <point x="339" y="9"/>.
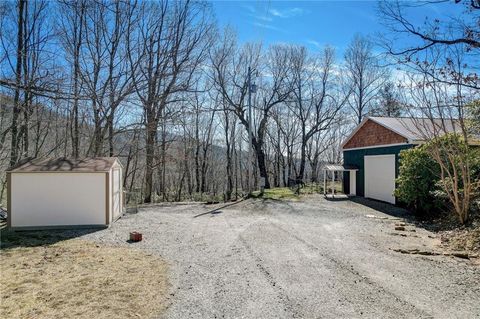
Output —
<point x="79" y="279"/>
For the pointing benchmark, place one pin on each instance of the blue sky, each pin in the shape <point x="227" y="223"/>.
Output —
<point x="312" y="23"/>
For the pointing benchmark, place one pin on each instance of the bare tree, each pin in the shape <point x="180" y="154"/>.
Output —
<point x="439" y="111"/>
<point x="364" y="75"/>
<point x="450" y="31"/>
<point x="229" y="125"/>
<point x="441" y="82"/>
<point x="277" y="136"/>
<point x="203" y="126"/>
<point x="166" y="44"/>
<point x="104" y="71"/>
<point x="72" y="28"/>
<point x="133" y="80"/>
<point x="230" y="77"/>
<point x="316" y="100"/>
<point x="18" y="78"/>
<point x="291" y="133"/>
<point x="25" y="67"/>
<point x="409" y="42"/>
<point x="316" y="147"/>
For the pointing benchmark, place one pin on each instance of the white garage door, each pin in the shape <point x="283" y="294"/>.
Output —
<point x="380" y="177"/>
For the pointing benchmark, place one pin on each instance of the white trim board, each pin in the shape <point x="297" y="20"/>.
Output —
<point x="376" y="146"/>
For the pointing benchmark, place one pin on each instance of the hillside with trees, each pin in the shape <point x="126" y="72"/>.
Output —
<point x="160" y="85"/>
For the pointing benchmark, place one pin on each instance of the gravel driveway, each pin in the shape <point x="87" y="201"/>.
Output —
<point x="307" y="259"/>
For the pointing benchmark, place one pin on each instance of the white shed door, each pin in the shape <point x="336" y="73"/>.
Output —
<point x="116" y="193"/>
<point x="380" y="177"/>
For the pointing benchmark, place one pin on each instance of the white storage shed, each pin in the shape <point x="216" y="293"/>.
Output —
<point x="64" y="193"/>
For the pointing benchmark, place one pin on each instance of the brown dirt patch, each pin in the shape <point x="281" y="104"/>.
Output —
<point x="80" y="279"/>
<point x="462" y="239"/>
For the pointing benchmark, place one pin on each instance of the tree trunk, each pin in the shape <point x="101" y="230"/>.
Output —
<point x="18" y="77"/>
<point x="303" y="156"/>
<point x="197" y="153"/>
<point x="314" y="166"/>
<point x="262" y="165"/>
<point x="229" y="190"/>
<point x="150" y="155"/>
<point x="97" y="132"/>
<point x="163" y="149"/>
<point x="203" y="174"/>
<point x="76" y="85"/>
<point x="110" y="134"/>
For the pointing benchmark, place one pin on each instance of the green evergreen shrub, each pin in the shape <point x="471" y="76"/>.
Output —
<point x="417" y="185"/>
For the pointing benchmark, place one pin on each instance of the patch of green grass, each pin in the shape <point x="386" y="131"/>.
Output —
<point x="276" y="193"/>
<point x="311" y="189"/>
<point x="286" y="193"/>
<point x="337" y="185"/>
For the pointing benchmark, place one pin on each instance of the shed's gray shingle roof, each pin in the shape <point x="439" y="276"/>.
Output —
<point x="415" y="130"/>
<point x="418" y="129"/>
<point x="91" y="164"/>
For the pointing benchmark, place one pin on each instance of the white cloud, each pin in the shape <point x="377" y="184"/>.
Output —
<point x="266" y="26"/>
<point x="316" y="44"/>
<point x="267" y="18"/>
<point x="287" y="13"/>
<point x="249" y="8"/>
<point x="264" y="18"/>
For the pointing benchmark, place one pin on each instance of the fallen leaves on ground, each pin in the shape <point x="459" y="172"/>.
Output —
<point x="462" y="239"/>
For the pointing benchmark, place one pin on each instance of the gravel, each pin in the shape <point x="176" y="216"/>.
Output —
<point x="299" y="259"/>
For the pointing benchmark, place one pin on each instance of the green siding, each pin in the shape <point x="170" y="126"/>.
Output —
<point x="356" y="158"/>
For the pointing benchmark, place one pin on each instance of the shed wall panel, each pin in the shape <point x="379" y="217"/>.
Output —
<point x="56" y="199"/>
<point x="356" y="158"/>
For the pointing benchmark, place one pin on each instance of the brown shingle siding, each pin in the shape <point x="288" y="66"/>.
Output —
<point x="372" y="134"/>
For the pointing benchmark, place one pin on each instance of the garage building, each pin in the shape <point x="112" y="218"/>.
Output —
<point x="64" y="193"/>
<point x="374" y="147"/>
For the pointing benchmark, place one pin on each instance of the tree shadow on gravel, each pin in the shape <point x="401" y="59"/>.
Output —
<point x="337" y="199"/>
<point x="14" y="239"/>
<point x="442" y="221"/>
<point x="383" y="207"/>
<point x="218" y="210"/>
